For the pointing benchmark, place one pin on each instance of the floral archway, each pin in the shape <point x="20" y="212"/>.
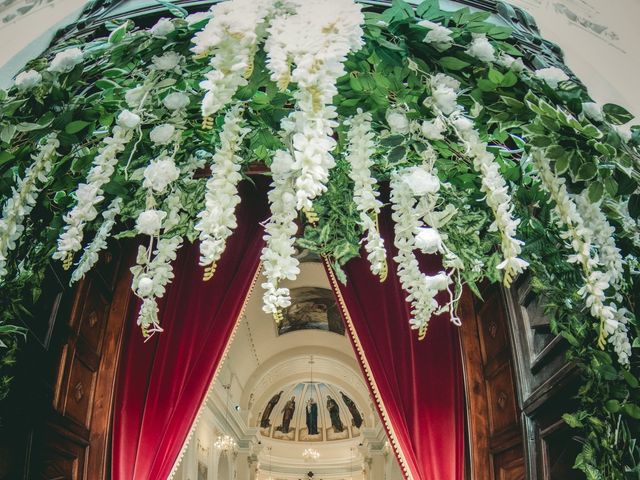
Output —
<point x="500" y="169"/>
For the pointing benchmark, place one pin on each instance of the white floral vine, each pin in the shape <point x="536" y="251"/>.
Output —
<point x="91" y="252"/>
<point x="24" y="197"/>
<point x="407" y="188"/>
<point x="444" y="99"/>
<point x="579" y="237"/>
<point x="218" y="219"/>
<point x="360" y="150"/>
<point x="231" y="38"/>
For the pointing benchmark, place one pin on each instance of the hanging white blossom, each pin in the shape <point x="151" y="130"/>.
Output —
<point x="579" y="237"/>
<point x="421" y="288"/>
<point x="91" y="253"/>
<point x="507" y="61"/>
<point x="160" y="173"/>
<point x="89" y="195"/>
<point x="444" y="94"/>
<point x="593" y="111"/>
<point x="217" y="220"/>
<point x="231" y="38"/>
<point x="278" y="260"/>
<point x="619" y="336"/>
<point x="316" y="39"/>
<point x="162" y="134"/>
<point x="176" y="101"/>
<point x="359" y="154"/>
<point x="397" y="121"/>
<point x="25" y="193"/>
<point x="167" y="61"/>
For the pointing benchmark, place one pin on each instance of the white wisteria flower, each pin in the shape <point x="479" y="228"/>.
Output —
<point x="421" y="289"/>
<point x="27" y="79"/>
<point x="593" y="111"/>
<point x="433" y="129"/>
<point x="481" y="49"/>
<point x="162" y="134"/>
<point x="197" y="17"/>
<point x="160" y="173"/>
<point x="134" y="96"/>
<point x="162" y="28"/>
<point x="66" y="60"/>
<point x="89" y="195"/>
<point x="128" y="119"/>
<point x="167" y="61"/>
<point x="176" y="101"/>
<point x="438" y="35"/>
<point x="359" y="155"/>
<point x="91" y="253"/>
<point x="619" y="335"/>
<point x="579" y="238"/>
<point x="444" y="94"/>
<point x="231" y="36"/>
<point x="552" y="76"/>
<point x="25" y="193"/>
<point x="624" y="131"/>
<point x="397" y="121"/>
<point x="217" y="220"/>
<point x="149" y="222"/>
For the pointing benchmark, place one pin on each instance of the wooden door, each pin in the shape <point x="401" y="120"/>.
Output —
<point x="60" y="410"/>
<point x="493" y="412"/>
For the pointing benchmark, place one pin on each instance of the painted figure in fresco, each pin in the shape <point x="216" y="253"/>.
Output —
<point x="264" y="421"/>
<point x="287" y="415"/>
<point x="355" y="414"/>
<point x="334" y="413"/>
<point x="312" y="417"/>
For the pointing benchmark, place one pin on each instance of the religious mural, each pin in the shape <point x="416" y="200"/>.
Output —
<point x="310" y="412"/>
<point x="311" y="308"/>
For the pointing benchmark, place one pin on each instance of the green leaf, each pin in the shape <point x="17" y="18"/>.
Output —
<point x="428" y="8"/>
<point x="616" y="114"/>
<point x="632" y="410"/>
<point x="572" y="420"/>
<point x="7" y="133"/>
<point x="105" y="84"/>
<point x="612" y="406"/>
<point x="5" y="157"/>
<point x="596" y="190"/>
<point x="76" y="126"/>
<point x="175" y="10"/>
<point x="634" y="205"/>
<point x="453" y="63"/>
<point x="587" y="171"/>
<point x="118" y="34"/>
<point x="495" y="76"/>
<point x="630" y="379"/>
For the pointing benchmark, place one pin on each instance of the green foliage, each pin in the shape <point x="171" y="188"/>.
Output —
<point x="514" y="112"/>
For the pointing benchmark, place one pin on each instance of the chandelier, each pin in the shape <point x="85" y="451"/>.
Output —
<point x="226" y="443"/>
<point x="310" y="454"/>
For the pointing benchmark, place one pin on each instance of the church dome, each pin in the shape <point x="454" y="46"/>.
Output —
<point x="310" y="412"/>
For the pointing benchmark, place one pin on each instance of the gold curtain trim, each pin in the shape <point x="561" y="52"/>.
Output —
<point x="369" y="376"/>
<point x="225" y="352"/>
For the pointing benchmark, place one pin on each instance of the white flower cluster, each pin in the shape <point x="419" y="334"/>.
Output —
<point x="89" y="195"/>
<point x="278" y="260"/>
<point x="360" y="150"/>
<point x="552" y="76"/>
<point x="91" y="253"/>
<point x="167" y="61"/>
<point x="150" y="278"/>
<point x="27" y="79"/>
<point x="316" y="38"/>
<point x="481" y="49"/>
<point x="438" y="35"/>
<point x="160" y="173"/>
<point x="162" y="28"/>
<point x="25" y="193"/>
<point x="66" y="60"/>
<point x="493" y="184"/>
<point x="407" y="188"/>
<point x="619" y="336"/>
<point x="231" y="37"/>
<point x="579" y="237"/>
<point x="218" y="218"/>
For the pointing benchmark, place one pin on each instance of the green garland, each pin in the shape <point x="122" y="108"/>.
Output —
<point x="514" y="111"/>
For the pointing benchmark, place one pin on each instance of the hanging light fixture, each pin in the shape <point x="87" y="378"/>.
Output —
<point x="226" y="443"/>
<point x="310" y="454"/>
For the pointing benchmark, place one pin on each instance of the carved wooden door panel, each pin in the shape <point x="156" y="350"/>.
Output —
<point x="60" y="413"/>
<point x="77" y="435"/>
<point x="494" y="426"/>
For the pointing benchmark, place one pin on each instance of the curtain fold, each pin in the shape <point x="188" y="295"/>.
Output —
<point x="163" y="382"/>
<point x="417" y="385"/>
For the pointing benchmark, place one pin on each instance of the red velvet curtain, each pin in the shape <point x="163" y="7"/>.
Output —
<point x="163" y="382"/>
<point x="417" y="384"/>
